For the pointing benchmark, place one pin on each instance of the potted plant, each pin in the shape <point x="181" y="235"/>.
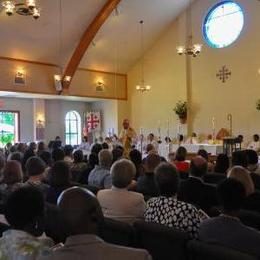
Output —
<point x="180" y="109"/>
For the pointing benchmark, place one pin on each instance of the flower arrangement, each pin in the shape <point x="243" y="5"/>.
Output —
<point x="258" y="105"/>
<point x="180" y="109"/>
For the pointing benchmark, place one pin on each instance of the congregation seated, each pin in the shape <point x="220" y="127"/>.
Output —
<point x="167" y="209"/>
<point x="119" y="203"/>
<point x="117" y="154"/>
<point x="222" y="164"/>
<point x="12" y="179"/>
<point x="226" y="229"/>
<point x="253" y="165"/>
<point x="59" y="181"/>
<point x="41" y="147"/>
<point x="35" y="168"/>
<point x="100" y="175"/>
<point x="240" y="158"/>
<point x="146" y="184"/>
<point x="194" y="190"/>
<point x="136" y="157"/>
<point x="68" y="149"/>
<point x="2" y="164"/>
<point x="180" y="160"/>
<point x="96" y="148"/>
<point x="24" y="211"/>
<point x="82" y="217"/>
<point x="251" y="202"/>
<point x="78" y="165"/>
<point x="92" y="161"/>
<point x="203" y="153"/>
<point x="57" y="154"/>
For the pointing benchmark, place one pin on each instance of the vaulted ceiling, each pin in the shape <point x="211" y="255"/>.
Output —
<point x="117" y="40"/>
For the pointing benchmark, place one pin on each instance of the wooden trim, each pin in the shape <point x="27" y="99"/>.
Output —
<point x="103" y="72"/>
<point x="57" y="66"/>
<point x="88" y="37"/>
<point x="54" y="94"/>
<point x="19" y="120"/>
<point x="29" y="61"/>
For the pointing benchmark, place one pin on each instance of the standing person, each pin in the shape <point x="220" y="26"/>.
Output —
<point x="255" y="144"/>
<point x="127" y="136"/>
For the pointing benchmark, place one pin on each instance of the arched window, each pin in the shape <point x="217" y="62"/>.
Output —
<point x="73" y="128"/>
<point x="223" y="24"/>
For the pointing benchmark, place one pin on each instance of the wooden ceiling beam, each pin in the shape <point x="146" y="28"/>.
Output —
<point x="87" y="38"/>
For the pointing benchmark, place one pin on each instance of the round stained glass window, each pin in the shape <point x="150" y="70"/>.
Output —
<point x="223" y="24"/>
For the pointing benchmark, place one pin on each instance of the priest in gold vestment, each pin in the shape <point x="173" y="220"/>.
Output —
<point x="127" y="136"/>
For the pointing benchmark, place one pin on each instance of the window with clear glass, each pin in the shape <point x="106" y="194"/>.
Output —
<point x="9" y="127"/>
<point x="223" y="24"/>
<point x="73" y="128"/>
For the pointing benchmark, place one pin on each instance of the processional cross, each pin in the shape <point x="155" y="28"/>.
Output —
<point x="223" y="74"/>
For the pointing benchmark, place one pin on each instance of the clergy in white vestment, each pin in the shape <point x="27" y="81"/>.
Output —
<point x="151" y="140"/>
<point x="255" y="144"/>
<point x="193" y="139"/>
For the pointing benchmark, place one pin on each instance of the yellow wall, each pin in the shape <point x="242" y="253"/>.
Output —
<point x="166" y="73"/>
<point x="39" y="79"/>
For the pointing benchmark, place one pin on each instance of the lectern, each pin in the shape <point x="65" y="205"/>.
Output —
<point x="231" y="145"/>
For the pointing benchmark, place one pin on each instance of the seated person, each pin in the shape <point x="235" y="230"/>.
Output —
<point x="59" y="181"/>
<point x="252" y="199"/>
<point x="24" y="210"/>
<point x="252" y="159"/>
<point x="255" y="144"/>
<point x="180" y="160"/>
<point x="166" y="209"/>
<point x="136" y="157"/>
<point x="194" y="190"/>
<point x="12" y="179"/>
<point x="100" y="175"/>
<point x="119" y="203"/>
<point x="35" y="168"/>
<point x="203" y="153"/>
<point x="68" y="149"/>
<point x="82" y="217"/>
<point x="222" y="164"/>
<point x="146" y="183"/>
<point x="226" y="229"/>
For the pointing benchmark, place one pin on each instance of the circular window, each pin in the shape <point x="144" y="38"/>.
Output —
<point x="223" y="24"/>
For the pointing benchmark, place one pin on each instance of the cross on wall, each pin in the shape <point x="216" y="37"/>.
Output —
<point x="92" y="121"/>
<point x="223" y="74"/>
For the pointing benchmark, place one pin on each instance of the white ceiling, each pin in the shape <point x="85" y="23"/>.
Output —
<point x="25" y="38"/>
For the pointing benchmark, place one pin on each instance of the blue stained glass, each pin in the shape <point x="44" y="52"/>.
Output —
<point x="223" y="24"/>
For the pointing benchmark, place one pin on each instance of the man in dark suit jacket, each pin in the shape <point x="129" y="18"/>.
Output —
<point x="194" y="190"/>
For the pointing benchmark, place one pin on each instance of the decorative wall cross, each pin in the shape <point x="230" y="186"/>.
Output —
<point x="223" y="74"/>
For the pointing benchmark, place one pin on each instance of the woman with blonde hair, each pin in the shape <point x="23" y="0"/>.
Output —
<point x="242" y="175"/>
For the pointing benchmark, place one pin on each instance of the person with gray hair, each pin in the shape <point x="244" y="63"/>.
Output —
<point x="100" y="176"/>
<point x="81" y="219"/>
<point x="129" y="206"/>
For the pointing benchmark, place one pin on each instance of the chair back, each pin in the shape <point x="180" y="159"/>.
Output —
<point x="162" y="242"/>
<point x="203" y="251"/>
<point x="116" y="232"/>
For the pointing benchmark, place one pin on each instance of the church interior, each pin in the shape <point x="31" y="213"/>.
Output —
<point x="140" y="114"/>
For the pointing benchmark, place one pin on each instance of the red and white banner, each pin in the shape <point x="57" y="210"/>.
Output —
<point x="93" y="121"/>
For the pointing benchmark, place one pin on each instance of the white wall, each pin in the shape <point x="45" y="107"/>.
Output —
<point x="55" y="111"/>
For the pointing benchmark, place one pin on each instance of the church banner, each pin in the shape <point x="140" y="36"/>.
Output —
<point x="93" y="121"/>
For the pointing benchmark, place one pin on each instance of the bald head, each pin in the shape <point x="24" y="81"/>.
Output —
<point x="80" y="211"/>
<point x="198" y="166"/>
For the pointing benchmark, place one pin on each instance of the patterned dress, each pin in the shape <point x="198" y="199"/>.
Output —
<point x="19" y="245"/>
<point x="173" y="213"/>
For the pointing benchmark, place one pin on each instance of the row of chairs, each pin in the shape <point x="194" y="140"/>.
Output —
<point x="165" y="243"/>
